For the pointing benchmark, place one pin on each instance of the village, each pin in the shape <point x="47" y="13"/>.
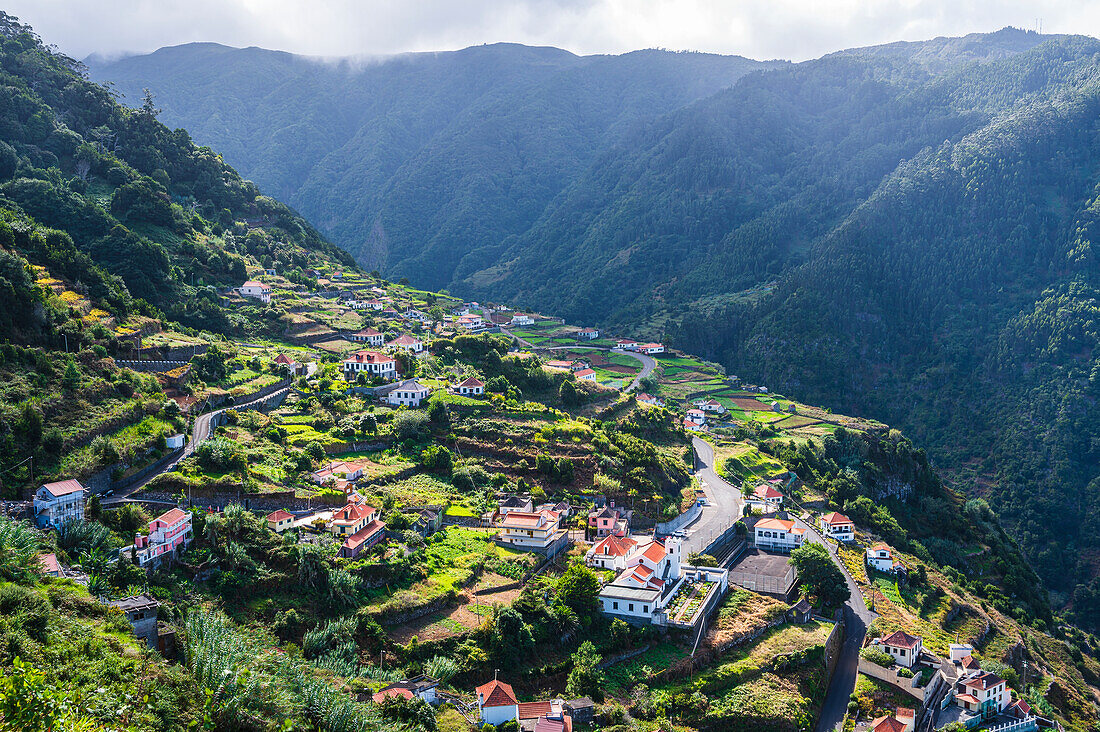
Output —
<point x="352" y="387"/>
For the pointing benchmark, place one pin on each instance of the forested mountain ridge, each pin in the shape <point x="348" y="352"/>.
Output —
<point x="414" y="159"/>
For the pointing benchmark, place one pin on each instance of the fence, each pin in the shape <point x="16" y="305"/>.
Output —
<point x="765" y="583"/>
<point x="153" y="366"/>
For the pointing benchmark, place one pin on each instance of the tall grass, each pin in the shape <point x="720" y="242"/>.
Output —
<point x="19" y="545"/>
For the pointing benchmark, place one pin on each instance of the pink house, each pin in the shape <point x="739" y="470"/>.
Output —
<point x="169" y="534"/>
<point x="609" y="521"/>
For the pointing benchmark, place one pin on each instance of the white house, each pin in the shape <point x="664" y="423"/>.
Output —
<point x="588" y="334"/>
<point x="407" y="343"/>
<point x="585" y="375"/>
<point x="470" y="321"/>
<point x="765" y="497"/>
<point x="627" y="344"/>
<point x="371" y="363"/>
<point x="256" y="290"/>
<point x="533" y="531"/>
<point x="496" y="703"/>
<point x="369" y="336"/>
<point x="650" y="400"/>
<point x="880" y="557"/>
<point x="905" y="648"/>
<point x="778" y="535"/>
<point x="339" y="470"/>
<point x="710" y="405"/>
<point x="472" y="386"/>
<point x="982" y="693"/>
<point x="837" y="526"/>
<point x="174" y="442"/>
<point x="651" y="348"/>
<point x="610" y="553"/>
<point x="409" y="393"/>
<point x="421" y="687"/>
<point x="522" y="319"/>
<point x="692" y="426"/>
<point x="56" y="503"/>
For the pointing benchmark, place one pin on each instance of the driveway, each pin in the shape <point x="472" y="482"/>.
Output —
<point x="725" y="504"/>
<point x="857" y="618"/>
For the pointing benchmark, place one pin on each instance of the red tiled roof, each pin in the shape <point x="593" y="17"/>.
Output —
<point x="472" y="381"/>
<point x="775" y="524"/>
<point x="967" y="698"/>
<point x="369" y="357"/>
<point x="496" y="694"/>
<point x="901" y="639"/>
<point x="615" y="546"/>
<point x="969" y="662"/>
<point x="655" y="552"/>
<point x="534" y="710"/>
<point x="391" y="692"/>
<point x="63" y="487"/>
<point x="836" y="518"/>
<point x="170" y="517"/>
<point x="351" y="513"/>
<point x="279" y="515"/>
<point x="368" y="332"/>
<point x="766" y="491"/>
<point x="887" y="724"/>
<point x="363" y="534"/>
<point x="404" y="340"/>
<point x="48" y="563"/>
<point x="584" y="372"/>
<point x="904" y="713"/>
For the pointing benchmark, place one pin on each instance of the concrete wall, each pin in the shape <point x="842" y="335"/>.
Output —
<point x="890" y="676"/>
<point x="666" y="528"/>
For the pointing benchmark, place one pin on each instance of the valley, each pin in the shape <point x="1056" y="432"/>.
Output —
<point x="253" y="480"/>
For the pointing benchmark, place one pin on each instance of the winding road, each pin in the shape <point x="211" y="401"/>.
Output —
<point x="726" y="502"/>
<point x="200" y="432"/>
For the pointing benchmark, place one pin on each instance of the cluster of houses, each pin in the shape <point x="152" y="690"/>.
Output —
<point x="628" y="344"/>
<point x="973" y="696"/>
<point x="497" y="704"/>
<point x="522" y="525"/>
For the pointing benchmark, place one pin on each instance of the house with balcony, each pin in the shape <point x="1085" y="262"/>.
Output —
<point x="372" y="363"/>
<point x="169" y="534"/>
<point x="56" y="503"/>
<point x="372" y="532"/>
<point x="352" y="517"/>
<point x="539" y="531"/>
<point x="837" y="526"/>
<point x="406" y="343"/>
<point x="370" y="336"/>
<point x="778" y="535"/>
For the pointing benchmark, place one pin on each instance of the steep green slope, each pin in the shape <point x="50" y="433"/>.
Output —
<point x="109" y="198"/>
<point x="417" y="161"/>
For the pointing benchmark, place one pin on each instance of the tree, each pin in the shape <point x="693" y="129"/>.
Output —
<point x="819" y="576"/>
<point x="72" y="378"/>
<point x="586" y="678"/>
<point x="511" y="638"/>
<point x="579" y="590"/>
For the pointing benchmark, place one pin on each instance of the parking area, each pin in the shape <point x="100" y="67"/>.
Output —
<point x="763" y="572"/>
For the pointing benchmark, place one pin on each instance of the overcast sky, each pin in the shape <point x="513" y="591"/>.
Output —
<point x="763" y="29"/>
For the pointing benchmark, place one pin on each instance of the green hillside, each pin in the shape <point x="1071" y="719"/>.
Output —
<point x="901" y="232"/>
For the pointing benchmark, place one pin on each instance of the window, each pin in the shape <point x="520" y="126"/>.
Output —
<point x="645" y="608"/>
<point x="631" y="608"/>
<point x="614" y="606"/>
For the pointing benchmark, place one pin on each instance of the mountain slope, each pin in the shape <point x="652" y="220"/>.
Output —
<point x="416" y="161"/>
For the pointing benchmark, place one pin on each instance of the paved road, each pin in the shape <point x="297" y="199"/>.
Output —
<point x="725" y="505"/>
<point x="200" y="432"/>
<point x="857" y="618"/>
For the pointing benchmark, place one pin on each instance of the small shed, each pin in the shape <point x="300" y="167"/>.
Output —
<point x="802" y="612"/>
<point x="582" y="710"/>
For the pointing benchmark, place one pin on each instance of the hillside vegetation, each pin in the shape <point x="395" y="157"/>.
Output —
<point x="901" y="232"/>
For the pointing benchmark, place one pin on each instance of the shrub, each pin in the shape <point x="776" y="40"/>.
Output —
<point x="876" y="656"/>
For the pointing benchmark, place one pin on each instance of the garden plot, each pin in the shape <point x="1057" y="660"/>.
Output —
<point x="690" y="598"/>
<point x="468" y="614"/>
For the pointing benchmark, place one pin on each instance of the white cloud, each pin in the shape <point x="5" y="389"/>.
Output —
<point x="795" y="29"/>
